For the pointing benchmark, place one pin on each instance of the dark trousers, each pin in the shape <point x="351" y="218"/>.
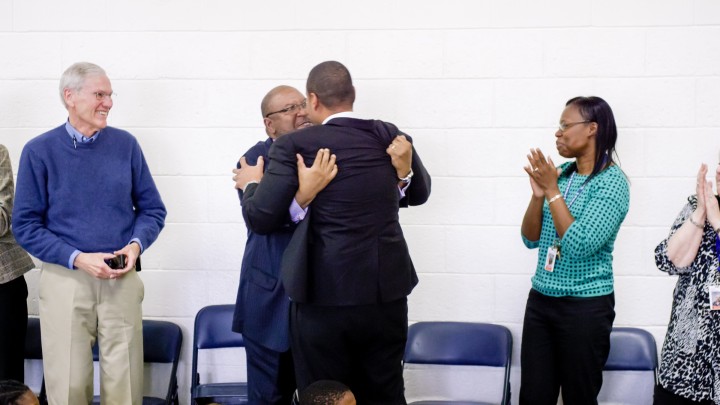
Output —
<point x="665" y="397"/>
<point x="565" y="344"/>
<point x="271" y="375"/>
<point x="13" y="328"/>
<point x="361" y="346"/>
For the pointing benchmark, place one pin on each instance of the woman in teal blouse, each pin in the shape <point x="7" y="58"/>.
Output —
<point x="573" y="219"/>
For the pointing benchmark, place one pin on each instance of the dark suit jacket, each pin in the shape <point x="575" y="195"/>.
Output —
<point x="351" y="250"/>
<point x="262" y="307"/>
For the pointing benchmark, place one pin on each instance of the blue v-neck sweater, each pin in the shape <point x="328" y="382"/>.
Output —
<point x="91" y="197"/>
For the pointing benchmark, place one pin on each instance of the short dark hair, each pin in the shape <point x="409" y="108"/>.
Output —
<point x="332" y="84"/>
<point x="597" y="110"/>
<point x="323" y="392"/>
<point x="11" y="391"/>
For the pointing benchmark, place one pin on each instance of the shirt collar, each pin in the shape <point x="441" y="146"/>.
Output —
<point x="344" y="114"/>
<point x="75" y="134"/>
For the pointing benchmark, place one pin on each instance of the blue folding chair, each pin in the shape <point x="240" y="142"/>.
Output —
<point x="463" y="344"/>
<point x="162" y="342"/>
<point x="213" y="331"/>
<point x="631" y="369"/>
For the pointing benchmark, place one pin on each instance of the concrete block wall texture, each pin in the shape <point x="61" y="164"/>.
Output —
<point x="476" y="82"/>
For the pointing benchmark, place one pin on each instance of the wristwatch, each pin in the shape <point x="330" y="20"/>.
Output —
<point x="407" y="178"/>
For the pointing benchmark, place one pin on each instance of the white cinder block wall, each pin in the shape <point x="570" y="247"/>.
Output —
<point x="476" y="82"/>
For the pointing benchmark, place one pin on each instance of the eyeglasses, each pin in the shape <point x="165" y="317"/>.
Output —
<point x="100" y="95"/>
<point x="564" y="126"/>
<point x="291" y="108"/>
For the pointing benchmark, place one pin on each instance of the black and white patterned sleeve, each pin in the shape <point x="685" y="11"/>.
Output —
<point x="661" y="259"/>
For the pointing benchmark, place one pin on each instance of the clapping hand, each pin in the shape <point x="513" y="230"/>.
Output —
<point x="710" y="202"/>
<point x="542" y="172"/>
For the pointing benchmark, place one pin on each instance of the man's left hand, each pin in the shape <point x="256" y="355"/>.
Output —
<point x="132" y="252"/>
<point x="400" y="151"/>
<point x="247" y="174"/>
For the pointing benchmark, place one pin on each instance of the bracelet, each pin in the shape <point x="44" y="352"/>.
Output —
<point x="407" y="178"/>
<point x="552" y="200"/>
<point x="695" y="223"/>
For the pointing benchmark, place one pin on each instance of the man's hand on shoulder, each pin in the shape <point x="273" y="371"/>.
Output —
<point x="315" y="178"/>
<point x="400" y="151"/>
<point x="248" y="174"/>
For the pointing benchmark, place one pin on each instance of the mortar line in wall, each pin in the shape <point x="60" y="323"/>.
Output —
<point x="589" y="26"/>
<point x="407" y="127"/>
<point x="402" y="78"/>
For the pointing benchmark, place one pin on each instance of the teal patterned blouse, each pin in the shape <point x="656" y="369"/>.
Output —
<point x="584" y="268"/>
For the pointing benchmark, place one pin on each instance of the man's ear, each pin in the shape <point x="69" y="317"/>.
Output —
<point x="68" y="97"/>
<point x="269" y="127"/>
<point x="313" y="101"/>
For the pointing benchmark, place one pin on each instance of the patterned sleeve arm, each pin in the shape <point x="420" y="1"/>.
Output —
<point x="661" y="259"/>
<point x="530" y="244"/>
<point x="603" y="214"/>
<point x="6" y="191"/>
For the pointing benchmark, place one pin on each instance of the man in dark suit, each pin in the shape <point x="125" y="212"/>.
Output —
<point x="347" y="270"/>
<point x="262" y="307"/>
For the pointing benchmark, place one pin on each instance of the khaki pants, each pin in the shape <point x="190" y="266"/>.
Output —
<point x="75" y="309"/>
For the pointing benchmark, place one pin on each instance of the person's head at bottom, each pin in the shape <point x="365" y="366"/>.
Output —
<point x="327" y="392"/>
<point x="16" y="393"/>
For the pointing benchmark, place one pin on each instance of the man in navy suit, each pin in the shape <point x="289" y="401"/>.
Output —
<point x="347" y="269"/>
<point x="262" y="307"/>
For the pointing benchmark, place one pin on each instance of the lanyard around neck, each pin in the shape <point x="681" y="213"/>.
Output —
<point x="567" y="191"/>
<point x="577" y="193"/>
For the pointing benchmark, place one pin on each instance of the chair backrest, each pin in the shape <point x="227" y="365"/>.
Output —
<point x="462" y="344"/>
<point x="632" y="349"/>
<point x="213" y="330"/>
<point x="162" y="343"/>
<point x="631" y="369"/>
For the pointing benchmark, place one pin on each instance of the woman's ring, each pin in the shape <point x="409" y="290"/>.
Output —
<point x="535" y="169"/>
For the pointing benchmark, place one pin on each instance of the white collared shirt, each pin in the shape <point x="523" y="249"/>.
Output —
<point x="344" y="114"/>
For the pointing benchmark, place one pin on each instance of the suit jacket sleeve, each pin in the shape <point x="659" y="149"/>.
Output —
<point x="265" y="205"/>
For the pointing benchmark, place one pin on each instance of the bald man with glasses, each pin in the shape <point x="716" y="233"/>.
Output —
<point x="348" y="268"/>
<point x="262" y="306"/>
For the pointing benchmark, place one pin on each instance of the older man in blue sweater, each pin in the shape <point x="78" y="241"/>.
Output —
<point x="85" y="196"/>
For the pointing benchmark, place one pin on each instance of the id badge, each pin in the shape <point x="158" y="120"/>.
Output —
<point x="551" y="258"/>
<point x="714" y="295"/>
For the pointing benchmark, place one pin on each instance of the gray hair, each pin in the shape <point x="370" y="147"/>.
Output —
<point x="74" y="77"/>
